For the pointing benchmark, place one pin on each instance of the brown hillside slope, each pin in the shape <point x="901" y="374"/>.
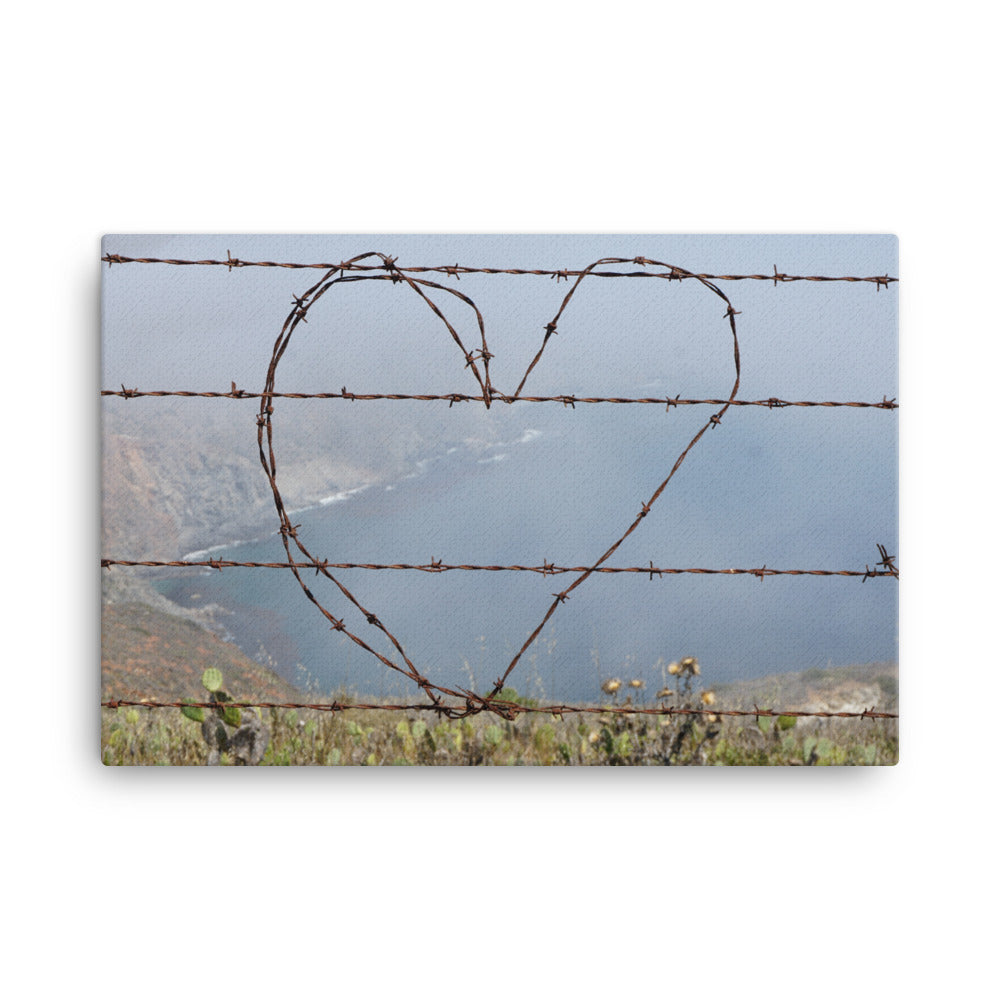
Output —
<point x="148" y="654"/>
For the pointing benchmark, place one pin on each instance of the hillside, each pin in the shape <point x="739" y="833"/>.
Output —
<point x="833" y="689"/>
<point x="153" y="653"/>
<point x="171" y="485"/>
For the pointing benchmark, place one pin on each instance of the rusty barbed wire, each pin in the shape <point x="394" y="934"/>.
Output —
<point x="455" y="270"/>
<point x="376" y="266"/>
<point x="509" y="709"/>
<point x="546" y="569"/>
<point x="772" y="403"/>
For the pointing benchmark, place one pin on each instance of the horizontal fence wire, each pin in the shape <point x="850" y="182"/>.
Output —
<point x="546" y="569"/>
<point x="460" y="703"/>
<point x="460" y="397"/>
<point x="510" y="710"/>
<point x="456" y="270"/>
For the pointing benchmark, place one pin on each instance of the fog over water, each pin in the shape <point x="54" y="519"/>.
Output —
<point x="803" y="488"/>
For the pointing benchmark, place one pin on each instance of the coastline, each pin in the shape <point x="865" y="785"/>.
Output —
<point x="257" y="534"/>
<point x="200" y="542"/>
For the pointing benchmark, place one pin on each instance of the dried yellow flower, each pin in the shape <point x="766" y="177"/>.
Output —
<point x="611" y="686"/>
<point x="664" y="693"/>
<point x="636" y="683"/>
<point x="674" y="668"/>
<point x="708" y="697"/>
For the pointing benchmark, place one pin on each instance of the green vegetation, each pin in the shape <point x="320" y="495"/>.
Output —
<point x="248" y="741"/>
<point x="611" y="735"/>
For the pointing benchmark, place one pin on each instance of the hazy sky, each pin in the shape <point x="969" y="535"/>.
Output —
<point x="789" y="488"/>
<point x="204" y="324"/>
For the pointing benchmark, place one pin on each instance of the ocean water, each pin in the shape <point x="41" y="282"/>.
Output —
<point x="561" y="486"/>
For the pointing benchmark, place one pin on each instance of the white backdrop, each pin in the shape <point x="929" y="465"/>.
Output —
<point x="521" y="118"/>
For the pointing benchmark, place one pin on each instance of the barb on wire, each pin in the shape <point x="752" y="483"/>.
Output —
<point x="889" y="567"/>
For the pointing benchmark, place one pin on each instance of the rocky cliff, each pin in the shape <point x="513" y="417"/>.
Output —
<point x="170" y="487"/>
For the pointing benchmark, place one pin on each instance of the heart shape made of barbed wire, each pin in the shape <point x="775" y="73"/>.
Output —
<point x="449" y="701"/>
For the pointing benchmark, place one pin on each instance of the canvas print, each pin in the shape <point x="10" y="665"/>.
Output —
<point x="499" y="499"/>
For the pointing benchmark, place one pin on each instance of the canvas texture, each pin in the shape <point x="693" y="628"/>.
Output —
<point x="498" y="499"/>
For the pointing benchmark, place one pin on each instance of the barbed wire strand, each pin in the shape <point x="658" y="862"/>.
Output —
<point x="455" y="270"/>
<point x="546" y="569"/>
<point x="508" y="709"/>
<point x="773" y="403"/>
